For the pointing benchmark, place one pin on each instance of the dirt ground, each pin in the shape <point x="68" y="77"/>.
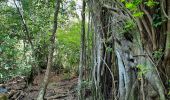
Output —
<point x="59" y="88"/>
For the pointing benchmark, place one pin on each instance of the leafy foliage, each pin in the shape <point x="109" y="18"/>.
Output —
<point x="142" y="70"/>
<point x="158" y="54"/>
<point x="129" y="25"/>
<point x="133" y="7"/>
<point x="15" y="51"/>
<point x="68" y="45"/>
<point x="151" y="3"/>
<point x="12" y="51"/>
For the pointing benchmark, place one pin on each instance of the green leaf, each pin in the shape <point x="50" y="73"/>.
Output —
<point x="151" y="3"/>
<point x="137" y="2"/>
<point x="129" y="5"/>
<point x="129" y="25"/>
<point x="138" y="14"/>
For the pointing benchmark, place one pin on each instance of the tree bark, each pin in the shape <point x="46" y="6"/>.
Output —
<point x="167" y="48"/>
<point x="50" y="55"/>
<point x="97" y="47"/>
<point x="151" y="37"/>
<point x="82" y="52"/>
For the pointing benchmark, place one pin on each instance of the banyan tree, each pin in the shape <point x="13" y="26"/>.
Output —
<point x="130" y="49"/>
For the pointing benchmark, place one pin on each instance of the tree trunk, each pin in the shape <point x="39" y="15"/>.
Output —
<point x="167" y="48"/>
<point x="126" y="49"/>
<point x="82" y="53"/>
<point x="50" y="55"/>
<point x="97" y="48"/>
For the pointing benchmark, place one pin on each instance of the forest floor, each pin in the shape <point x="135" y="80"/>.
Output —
<point x="59" y="88"/>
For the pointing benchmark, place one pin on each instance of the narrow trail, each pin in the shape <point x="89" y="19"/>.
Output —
<point x="58" y="88"/>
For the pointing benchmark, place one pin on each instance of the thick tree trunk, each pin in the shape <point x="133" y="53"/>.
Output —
<point x="126" y="65"/>
<point x="151" y="37"/>
<point x="50" y="55"/>
<point x="97" y="48"/>
<point x="153" y="78"/>
<point x="125" y="48"/>
<point x="106" y="56"/>
<point x="102" y="70"/>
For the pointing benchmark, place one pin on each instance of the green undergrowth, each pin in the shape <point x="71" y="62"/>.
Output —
<point x="5" y="74"/>
<point x="68" y="45"/>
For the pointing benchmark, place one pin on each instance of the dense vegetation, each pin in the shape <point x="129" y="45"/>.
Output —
<point x="16" y="50"/>
<point x="118" y="49"/>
